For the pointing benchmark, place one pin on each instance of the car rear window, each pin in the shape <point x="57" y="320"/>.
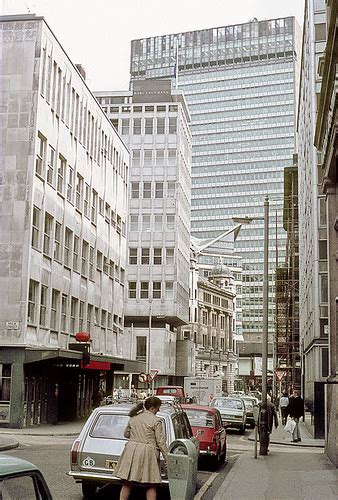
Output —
<point x="234" y="404"/>
<point x="168" y="391"/>
<point x="248" y="404"/>
<point x="200" y="418"/>
<point x="110" y="426"/>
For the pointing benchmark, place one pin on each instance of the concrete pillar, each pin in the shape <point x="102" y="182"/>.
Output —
<point x="17" y="396"/>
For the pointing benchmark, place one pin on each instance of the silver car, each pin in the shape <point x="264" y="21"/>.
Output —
<point x="233" y="412"/>
<point x="94" y="454"/>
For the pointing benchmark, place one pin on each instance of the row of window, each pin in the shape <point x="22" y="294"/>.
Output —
<point x="147" y="126"/>
<point x="153" y="189"/>
<point x="215" y="300"/>
<point x="64" y="246"/>
<point x="72" y="186"/>
<point x="149" y="222"/>
<point x="213" y="319"/>
<point x="73" y="109"/>
<point x="156" y="256"/>
<point x="154" y="289"/>
<point x="59" y="312"/>
<point x="125" y="108"/>
<point x="159" y="157"/>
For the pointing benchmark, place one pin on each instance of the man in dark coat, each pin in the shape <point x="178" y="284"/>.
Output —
<point x="296" y="411"/>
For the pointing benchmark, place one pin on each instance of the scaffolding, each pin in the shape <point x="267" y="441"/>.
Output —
<point x="287" y="352"/>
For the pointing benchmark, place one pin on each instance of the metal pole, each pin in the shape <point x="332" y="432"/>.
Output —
<point x="148" y="347"/>
<point x="264" y="431"/>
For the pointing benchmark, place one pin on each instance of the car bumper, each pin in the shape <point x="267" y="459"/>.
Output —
<point x="209" y="453"/>
<point x="232" y="423"/>
<point x="99" y="477"/>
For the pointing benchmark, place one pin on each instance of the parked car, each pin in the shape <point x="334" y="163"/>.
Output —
<point x="206" y="424"/>
<point x="172" y="390"/>
<point x="94" y="454"/>
<point x="249" y="402"/>
<point x="21" y="479"/>
<point x="168" y="399"/>
<point x="233" y="412"/>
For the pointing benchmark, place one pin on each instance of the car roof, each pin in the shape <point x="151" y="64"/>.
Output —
<point x="14" y="465"/>
<point x="166" y="409"/>
<point x="200" y="407"/>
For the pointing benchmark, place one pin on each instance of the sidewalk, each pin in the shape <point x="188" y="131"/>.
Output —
<point x="291" y="475"/>
<point x="280" y="436"/>
<point x="62" y="429"/>
<point x="7" y="443"/>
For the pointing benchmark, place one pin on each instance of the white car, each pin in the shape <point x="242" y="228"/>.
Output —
<point x="233" y="412"/>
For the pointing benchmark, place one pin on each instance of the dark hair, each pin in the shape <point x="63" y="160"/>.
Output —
<point x="151" y="402"/>
<point x="285" y="394"/>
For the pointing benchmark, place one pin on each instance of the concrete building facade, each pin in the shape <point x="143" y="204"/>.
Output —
<point x="241" y="84"/>
<point x="313" y="263"/>
<point x="153" y="120"/>
<point x="64" y="173"/>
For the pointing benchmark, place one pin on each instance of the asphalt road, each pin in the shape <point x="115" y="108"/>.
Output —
<point x="51" y="455"/>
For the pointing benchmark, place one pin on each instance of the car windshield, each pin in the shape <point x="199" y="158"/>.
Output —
<point x="169" y="390"/>
<point x="233" y="404"/>
<point x="248" y="404"/>
<point x="200" y="418"/>
<point x="110" y="426"/>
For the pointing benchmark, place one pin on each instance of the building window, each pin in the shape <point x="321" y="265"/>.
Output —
<point x="148" y="130"/>
<point x="214" y="320"/>
<point x="36" y="228"/>
<point x="91" y="263"/>
<point x="148" y="157"/>
<point x="172" y="125"/>
<point x="54" y="311"/>
<point x="204" y="317"/>
<point x="135" y="190"/>
<point x="136" y="157"/>
<point x="132" y="289"/>
<point x="64" y="311"/>
<point x="86" y="201"/>
<point x="157" y="289"/>
<point x="81" y="316"/>
<point x="79" y="192"/>
<point x="106" y="265"/>
<point x="43" y="305"/>
<point x="133" y="222"/>
<point x="132" y="256"/>
<point x="61" y="175"/>
<point x="84" y="258"/>
<point x="169" y="256"/>
<point x="169" y="290"/>
<point x="76" y="245"/>
<point x="158" y="189"/>
<point x="5" y="383"/>
<point x="171" y="187"/>
<point x="145" y="256"/>
<point x="57" y="242"/>
<point x="137" y="126"/>
<point x="157" y="256"/>
<point x="158" y="219"/>
<point x="94" y="207"/>
<point x="89" y="317"/>
<point x="51" y="166"/>
<point x="47" y="234"/>
<point x="144" y="289"/>
<point x="222" y="321"/>
<point x="146" y="222"/>
<point x="68" y="247"/>
<point x="170" y="222"/>
<point x="147" y="190"/>
<point x="172" y="153"/>
<point x="160" y="157"/>
<point x="70" y="184"/>
<point x="32" y="301"/>
<point x="160" y="126"/>
<point x="74" y="304"/>
<point x="99" y="261"/>
<point x="141" y="348"/>
<point x="40" y="157"/>
<point x="125" y="126"/>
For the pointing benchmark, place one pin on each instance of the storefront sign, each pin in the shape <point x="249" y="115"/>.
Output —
<point x="12" y="325"/>
<point x="4" y="412"/>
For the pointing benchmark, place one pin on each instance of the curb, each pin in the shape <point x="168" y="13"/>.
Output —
<point x="44" y="434"/>
<point x="289" y="443"/>
<point x="9" y="446"/>
<point x="220" y="494"/>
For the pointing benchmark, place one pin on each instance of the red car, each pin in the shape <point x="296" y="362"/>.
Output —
<point x="206" y="425"/>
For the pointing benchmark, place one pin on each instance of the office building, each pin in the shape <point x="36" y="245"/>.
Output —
<point x="64" y="173"/>
<point x="240" y="83"/>
<point x="153" y="121"/>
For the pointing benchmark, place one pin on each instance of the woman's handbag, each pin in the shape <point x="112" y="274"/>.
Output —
<point x="290" y="426"/>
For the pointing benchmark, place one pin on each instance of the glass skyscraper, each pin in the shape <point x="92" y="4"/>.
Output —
<point x="240" y="83"/>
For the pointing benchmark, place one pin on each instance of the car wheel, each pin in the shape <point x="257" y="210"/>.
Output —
<point x="222" y="458"/>
<point x="242" y="430"/>
<point x="88" y="489"/>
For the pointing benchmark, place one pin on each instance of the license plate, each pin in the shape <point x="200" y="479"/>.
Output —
<point x="111" y="464"/>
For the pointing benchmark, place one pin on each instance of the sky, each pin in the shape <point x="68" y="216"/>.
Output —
<point x="97" y="33"/>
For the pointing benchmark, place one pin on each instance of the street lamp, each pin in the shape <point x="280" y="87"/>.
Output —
<point x="263" y="419"/>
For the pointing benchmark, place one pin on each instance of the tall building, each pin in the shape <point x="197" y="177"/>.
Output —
<point x="153" y="121"/>
<point x="326" y="142"/>
<point x="313" y="263"/>
<point x="240" y="83"/>
<point x="64" y="173"/>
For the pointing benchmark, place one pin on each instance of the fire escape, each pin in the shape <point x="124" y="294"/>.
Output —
<point x="287" y="289"/>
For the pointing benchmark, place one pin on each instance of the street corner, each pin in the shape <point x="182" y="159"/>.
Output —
<point x="8" y="443"/>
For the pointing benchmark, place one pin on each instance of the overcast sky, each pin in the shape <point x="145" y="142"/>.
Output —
<point x="97" y="33"/>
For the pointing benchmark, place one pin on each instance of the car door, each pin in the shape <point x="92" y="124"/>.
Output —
<point x="221" y="430"/>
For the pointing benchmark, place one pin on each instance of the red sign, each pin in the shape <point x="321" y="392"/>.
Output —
<point x="280" y="374"/>
<point x="82" y="337"/>
<point x="153" y="374"/>
<point x="97" y="365"/>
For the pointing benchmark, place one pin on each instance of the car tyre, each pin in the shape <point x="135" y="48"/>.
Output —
<point x="241" y="430"/>
<point x="222" y="458"/>
<point x="88" y="489"/>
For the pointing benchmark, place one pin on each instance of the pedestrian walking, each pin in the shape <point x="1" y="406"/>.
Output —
<point x="139" y="464"/>
<point x="296" y="411"/>
<point x="284" y="403"/>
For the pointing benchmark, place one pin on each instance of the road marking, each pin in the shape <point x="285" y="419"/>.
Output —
<point x="205" y="486"/>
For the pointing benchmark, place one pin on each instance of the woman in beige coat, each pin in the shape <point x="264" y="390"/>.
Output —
<point x="139" y="463"/>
